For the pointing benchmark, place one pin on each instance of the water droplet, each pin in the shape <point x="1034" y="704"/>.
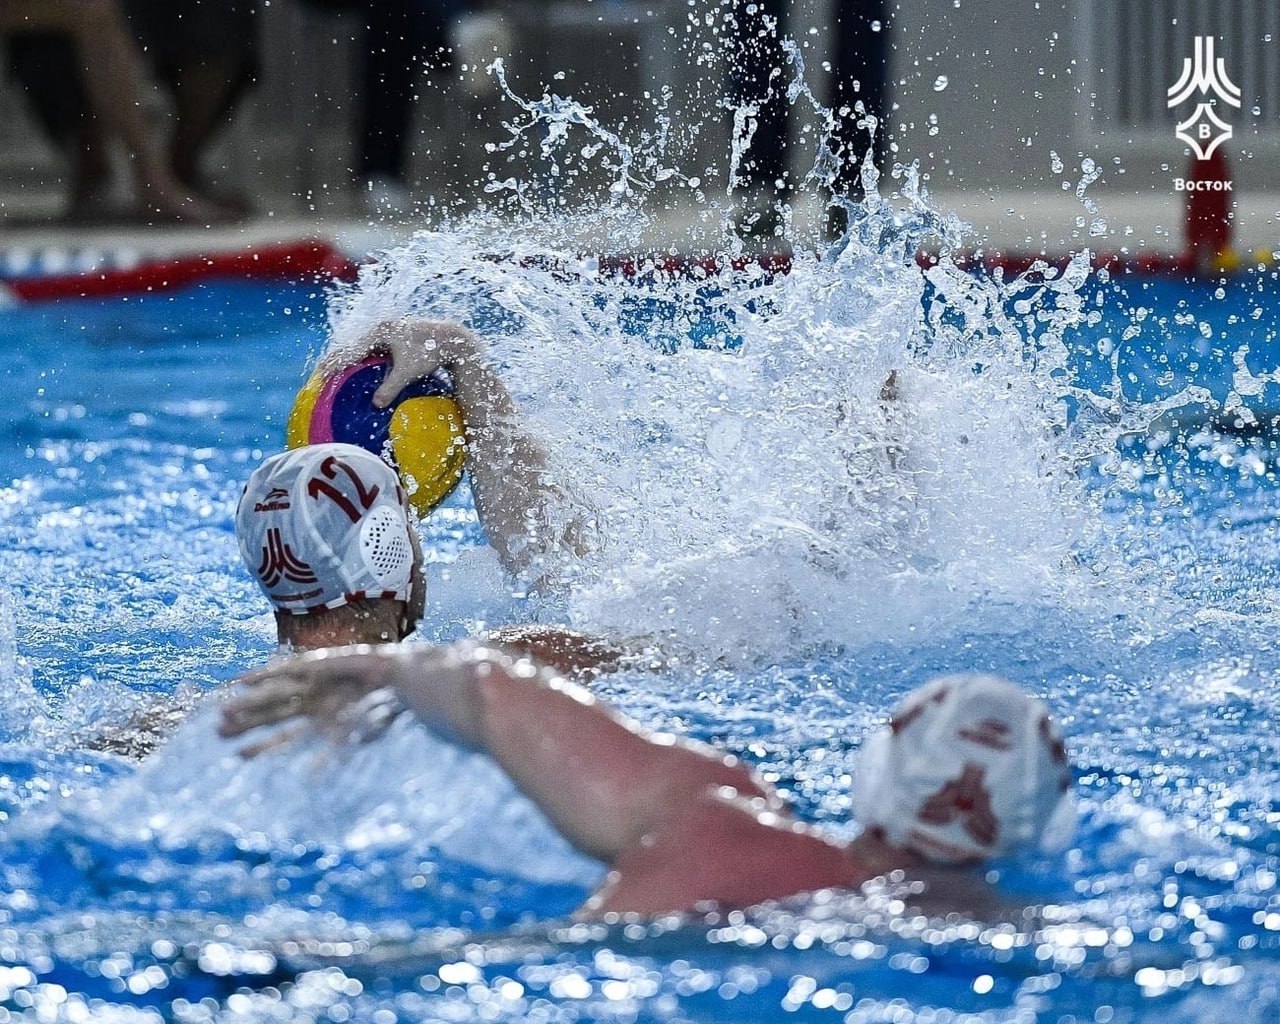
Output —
<point x="1055" y="162"/>
<point x="940" y="83"/>
<point x="876" y="26"/>
<point x="1256" y="111"/>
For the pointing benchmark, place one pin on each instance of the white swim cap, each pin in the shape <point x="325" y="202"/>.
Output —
<point x="325" y="525"/>
<point x="969" y="766"/>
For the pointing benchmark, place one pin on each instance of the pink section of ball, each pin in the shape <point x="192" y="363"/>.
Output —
<point x="320" y="430"/>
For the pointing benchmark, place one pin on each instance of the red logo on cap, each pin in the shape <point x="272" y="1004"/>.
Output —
<point x="968" y="799"/>
<point x="279" y="562"/>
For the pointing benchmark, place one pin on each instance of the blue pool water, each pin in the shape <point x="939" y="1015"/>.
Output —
<point x="1119" y="563"/>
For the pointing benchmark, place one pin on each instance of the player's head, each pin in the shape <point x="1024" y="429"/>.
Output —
<point x="969" y="766"/>
<point x="327" y="527"/>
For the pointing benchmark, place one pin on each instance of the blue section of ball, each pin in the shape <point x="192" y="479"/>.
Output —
<point x="355" y="418"/>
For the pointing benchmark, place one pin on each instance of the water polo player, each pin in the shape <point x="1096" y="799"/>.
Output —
<point x="969" y="767"/>
<point x="327" y="533"/>
<point x="387" y="394"/>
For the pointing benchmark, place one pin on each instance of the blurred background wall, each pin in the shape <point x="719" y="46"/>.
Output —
<point x="982" y="91"/>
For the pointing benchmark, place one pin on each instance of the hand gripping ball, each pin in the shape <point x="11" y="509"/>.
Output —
<point x="420" y="434"/>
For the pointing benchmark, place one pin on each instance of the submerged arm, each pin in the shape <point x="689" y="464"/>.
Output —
<point x="576" y="655"/>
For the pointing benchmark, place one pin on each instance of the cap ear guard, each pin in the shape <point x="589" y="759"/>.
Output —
<point x="384" y="546"/>
<point x="868" y="797"/>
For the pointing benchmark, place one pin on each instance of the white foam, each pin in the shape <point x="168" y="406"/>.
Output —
<point x="408" y="789"/>
<point x="23" y="714"/>
<point x="758" y="503"/>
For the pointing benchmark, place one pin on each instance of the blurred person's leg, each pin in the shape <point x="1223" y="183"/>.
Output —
<point x="109" y="62"/>
<point x="405" y="40"/>
<point x="386" y="102"/>
<point x="860" y="71"/>
<point x="758" y="75"/>
<point x="46" y="68"/>
<point x="207" y="55"/>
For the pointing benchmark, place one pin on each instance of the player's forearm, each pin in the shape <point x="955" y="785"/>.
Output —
<point x="485" y="402"/>
<point x="439" y="686"/>
<point x="442" y="687"/>
<point x="508" y="466"/>
<point x="583" y="766"/>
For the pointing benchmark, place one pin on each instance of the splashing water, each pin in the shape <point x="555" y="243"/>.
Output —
<point x="756" y="498"/>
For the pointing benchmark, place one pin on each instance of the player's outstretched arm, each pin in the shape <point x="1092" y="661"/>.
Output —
<point x="510" y="478"/>
<point x="601" y="780"/>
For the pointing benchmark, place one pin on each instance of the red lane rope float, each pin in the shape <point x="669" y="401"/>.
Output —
<point x="1184" y="264"/>
<point x="1014" y="263"/>
<point x="688" y="266"/>
<point x="322" y="261"/>
<point x="1011" y="263"/>
<point x="284" y="261"/>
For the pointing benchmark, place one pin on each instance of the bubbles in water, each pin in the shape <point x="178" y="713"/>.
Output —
<point x="940" y="83"/>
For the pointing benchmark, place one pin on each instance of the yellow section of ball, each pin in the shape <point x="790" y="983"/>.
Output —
<point x="298" y="430"/>
<point x="428" y="440"/>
